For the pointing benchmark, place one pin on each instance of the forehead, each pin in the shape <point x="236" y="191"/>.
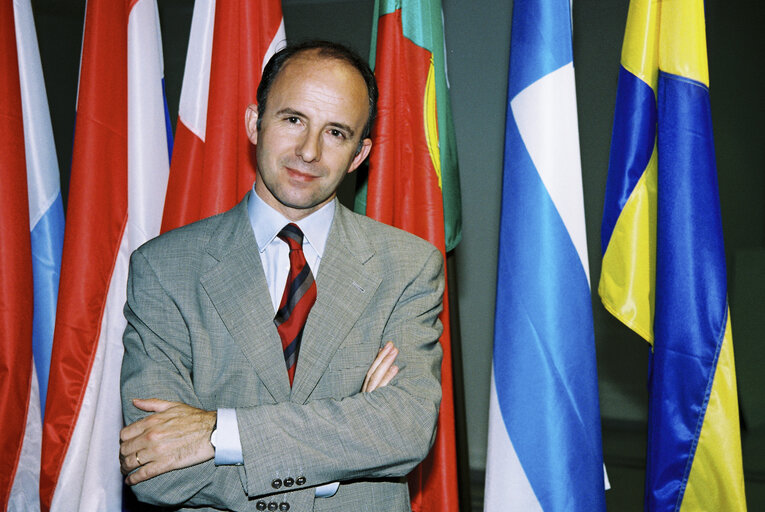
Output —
<point x="324" y="83"/>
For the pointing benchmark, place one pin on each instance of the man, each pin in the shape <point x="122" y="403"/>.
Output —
<point x="204" y="301"/>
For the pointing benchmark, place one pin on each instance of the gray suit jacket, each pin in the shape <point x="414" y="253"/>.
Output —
<point x="200" y="330"/>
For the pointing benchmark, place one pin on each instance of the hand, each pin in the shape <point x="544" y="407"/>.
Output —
<point x="175" y="436"/>
<point x="382" y="370"/>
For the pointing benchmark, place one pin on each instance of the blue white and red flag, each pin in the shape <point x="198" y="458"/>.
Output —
<point x="31" y="169"/>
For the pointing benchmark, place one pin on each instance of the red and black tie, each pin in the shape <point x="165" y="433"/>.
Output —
<point x="297" y="300"/>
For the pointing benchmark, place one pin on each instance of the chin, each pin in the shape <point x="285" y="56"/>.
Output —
<point x="300" y="205"/>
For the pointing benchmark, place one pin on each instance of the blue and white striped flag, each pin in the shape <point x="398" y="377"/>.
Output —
<point x="544" y="450"/>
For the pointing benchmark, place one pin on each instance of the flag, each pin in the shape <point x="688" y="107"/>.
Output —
<point x="213" y="162"/>
<point x="117" y="187"/>
<point x="544" y="447"/>
<point x="413" y="184"/>
<point x="16" y="298"/>
<point x="46" y="225"/>
<point x="663" y="259"/>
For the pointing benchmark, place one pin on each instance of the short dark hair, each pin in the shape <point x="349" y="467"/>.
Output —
<point x="326" y="49"/>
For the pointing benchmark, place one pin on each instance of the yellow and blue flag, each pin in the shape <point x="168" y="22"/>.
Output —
<point x="663" y="259"/>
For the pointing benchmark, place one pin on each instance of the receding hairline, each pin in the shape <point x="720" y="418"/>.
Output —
<point x="306" y="57"/>
<point x="318" y="55"/>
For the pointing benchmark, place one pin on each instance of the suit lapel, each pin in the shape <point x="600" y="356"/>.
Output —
<point x="237" y="287"/>
<point x="345" y="287"/>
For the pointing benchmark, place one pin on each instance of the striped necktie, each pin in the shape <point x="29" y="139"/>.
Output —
<point x="297" y="299"/>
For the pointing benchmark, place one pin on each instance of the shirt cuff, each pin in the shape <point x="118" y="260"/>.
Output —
<point x="228" y="446"/>
<point x="327" y="490"/>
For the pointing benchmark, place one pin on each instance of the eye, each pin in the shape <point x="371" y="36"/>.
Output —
<point x="334" y="132"/>
<point x="293" y="119"/>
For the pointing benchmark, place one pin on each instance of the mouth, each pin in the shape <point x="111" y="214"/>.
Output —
<point x="298" y="175"/>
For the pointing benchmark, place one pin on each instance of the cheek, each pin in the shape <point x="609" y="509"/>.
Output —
<point x="339" y="161"/>
<point x="276" y="143"/>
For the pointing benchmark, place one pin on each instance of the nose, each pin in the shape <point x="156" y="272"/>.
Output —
<point x="309" y="148"/>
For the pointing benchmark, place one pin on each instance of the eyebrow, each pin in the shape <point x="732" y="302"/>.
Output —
<point x="334" y="124"/>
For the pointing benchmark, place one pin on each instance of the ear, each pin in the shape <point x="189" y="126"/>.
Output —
<point x="251" y="123"/>
<point x="366" y="146"/>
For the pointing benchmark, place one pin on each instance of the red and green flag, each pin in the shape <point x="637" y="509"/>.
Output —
<point x="413" y="184"/>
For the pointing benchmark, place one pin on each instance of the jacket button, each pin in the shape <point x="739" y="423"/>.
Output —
<point x="276" y="483"/>
<point x="300" y="480"/>
<point x="289" y="482"/>
<point x="284" y="506"/>
<point x="273" y="506"/>
<point x="260" y="505"/>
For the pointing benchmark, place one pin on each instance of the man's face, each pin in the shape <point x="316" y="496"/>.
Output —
<point x="309" y="133"/>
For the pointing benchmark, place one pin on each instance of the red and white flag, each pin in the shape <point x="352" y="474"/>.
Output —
<point x="16" y="283"/>
<point x="213" y="163"/>
<point x="117" y="188"/>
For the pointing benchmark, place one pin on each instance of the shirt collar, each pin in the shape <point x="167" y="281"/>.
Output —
<point x="267" y="222"/>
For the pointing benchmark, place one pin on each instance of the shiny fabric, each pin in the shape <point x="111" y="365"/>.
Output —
<point x="632" y="145"/>
<point x="664" y="264"/>
<point x="404" y="189"/>
<point x="16" y="301"/>
<point x="545" y="375"/>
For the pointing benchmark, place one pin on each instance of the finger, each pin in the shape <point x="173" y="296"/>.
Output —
<point x="139" y="435"/>
<point x="154" y="405"/>
<point x="385" y="364"/>
<point x="392" y="372"/>
<point x="144" y="472"/>
<point x="375" y="364"/>
<point x="371" y="377"/>
<point x="124" y="466"/>
<point x="129" y="433"/>
<point x="137" y="428"/>
<point x="380" y="356"/>
<point x="133" y="461"/>
<point x="377" y="374"/>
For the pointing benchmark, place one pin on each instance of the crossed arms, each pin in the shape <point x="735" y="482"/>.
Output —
<point x="343" y="434"/>
<point x="177" y="435"/>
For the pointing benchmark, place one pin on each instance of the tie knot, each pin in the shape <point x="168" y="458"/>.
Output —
<point x="293" y="236"/>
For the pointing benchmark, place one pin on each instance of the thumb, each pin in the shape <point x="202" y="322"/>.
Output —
<point x="153" y="404"/>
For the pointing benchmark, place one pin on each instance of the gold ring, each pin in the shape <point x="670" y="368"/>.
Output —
<point x="137" y="459"/>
